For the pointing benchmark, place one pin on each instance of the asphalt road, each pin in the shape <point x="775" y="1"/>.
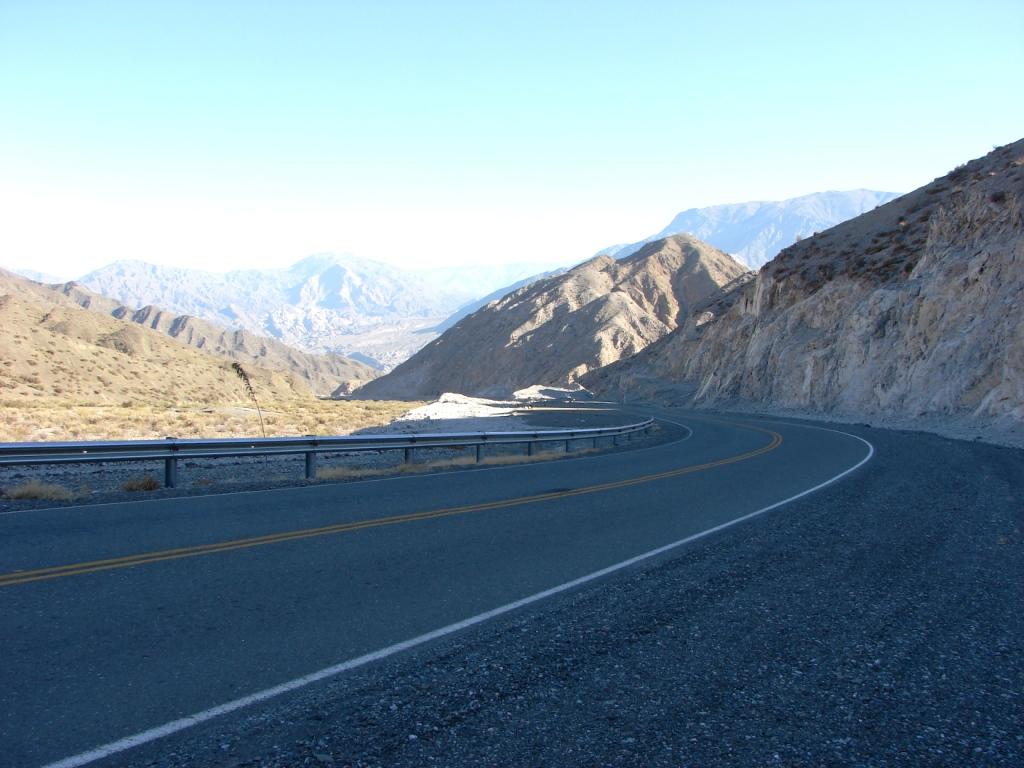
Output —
<point x="221" y="597"/>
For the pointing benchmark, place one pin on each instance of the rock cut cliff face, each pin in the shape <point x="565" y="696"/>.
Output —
<point x="910" y="310"/>
<point x="554" y="330"/>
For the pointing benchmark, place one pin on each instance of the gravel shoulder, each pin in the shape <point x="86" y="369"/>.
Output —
<point x="877" y="622"/>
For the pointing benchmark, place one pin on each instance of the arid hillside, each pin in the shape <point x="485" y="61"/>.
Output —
<point x="554" y="330"/>
<point x="66" y="352"/>
<point x="911" y="311"/>
<point x="326" y="375"/>
<point x="69" y="373"/>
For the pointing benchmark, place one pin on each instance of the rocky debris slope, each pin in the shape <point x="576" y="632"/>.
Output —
<point x="552" y="331"/>
<point x="912" y="310"/>
<point x="325" y="375"/>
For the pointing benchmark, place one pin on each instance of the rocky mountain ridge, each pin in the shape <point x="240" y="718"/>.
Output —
<point x="553" y="330"/>
<point x="910" y="311"/>
<point x="755" y="232"/>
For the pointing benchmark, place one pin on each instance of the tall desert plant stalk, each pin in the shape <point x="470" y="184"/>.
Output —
<point x="240" y="372"/>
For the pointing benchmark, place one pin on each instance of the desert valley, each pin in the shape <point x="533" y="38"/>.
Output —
<point x="904" y="314"/>
<point x="140" y="351"/>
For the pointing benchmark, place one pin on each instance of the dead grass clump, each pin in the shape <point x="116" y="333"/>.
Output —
<point x="358" y="473"/>
<point x="354" y="473"/>
<point x="52" y="418"/>
<point x="34" y="489"/>
<point x="521" y="458"/>
<point x="461" y="461"/>
<point x="143" y="483"/>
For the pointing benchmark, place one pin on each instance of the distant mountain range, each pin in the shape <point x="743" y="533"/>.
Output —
<point x="338" y="303"/>
<point x="381" y="314"/>
<point x="755" y="232"/>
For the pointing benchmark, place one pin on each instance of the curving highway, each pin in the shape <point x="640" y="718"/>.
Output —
<point x="129" y="628"/>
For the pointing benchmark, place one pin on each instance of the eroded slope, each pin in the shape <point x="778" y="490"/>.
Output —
<point x="553" y="331"/>
<point x="910" y="310"/>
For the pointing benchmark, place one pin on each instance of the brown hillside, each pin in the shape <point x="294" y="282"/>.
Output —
<point x="326" y="375"/>
<point x="553" y="331"/>
<point x="71" y="355"/>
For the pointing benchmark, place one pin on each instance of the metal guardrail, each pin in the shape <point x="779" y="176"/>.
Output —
<point x="172" y="450"/>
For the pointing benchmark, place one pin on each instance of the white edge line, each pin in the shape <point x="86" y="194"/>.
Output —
<point x="174" y="726"/>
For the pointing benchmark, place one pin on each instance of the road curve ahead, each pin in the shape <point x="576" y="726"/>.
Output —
<point x="128" y="619"/>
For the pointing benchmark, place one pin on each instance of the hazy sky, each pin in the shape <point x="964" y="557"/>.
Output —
<point x="233" y="134"/>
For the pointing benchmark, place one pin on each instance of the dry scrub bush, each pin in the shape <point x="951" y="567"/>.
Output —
<point x="143" y="483"/>
<point x="54" y="419"/>
<point x="34" y="489"/>
<point x="358" y="473"/>
<point x="522" y="458"/>
<point x="354" y="473"/>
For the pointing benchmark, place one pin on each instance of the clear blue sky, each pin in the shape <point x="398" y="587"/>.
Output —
<point x="232" y="134"/>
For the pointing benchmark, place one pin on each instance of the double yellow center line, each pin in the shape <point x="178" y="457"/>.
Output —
<point x="75" y="569"/>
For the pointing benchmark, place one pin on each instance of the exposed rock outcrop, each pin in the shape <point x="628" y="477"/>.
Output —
<point x="912" y="310"/>
<point x="554" y="330"/>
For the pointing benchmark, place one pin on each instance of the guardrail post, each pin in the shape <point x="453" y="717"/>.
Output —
<point x="479" y="452"/>
<point x="171" y="468"/>
<point x="566" y="446"/>
<point x="311" y="461"/>
<point x="408" y="455"/>
<point x="529" y="448"/>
